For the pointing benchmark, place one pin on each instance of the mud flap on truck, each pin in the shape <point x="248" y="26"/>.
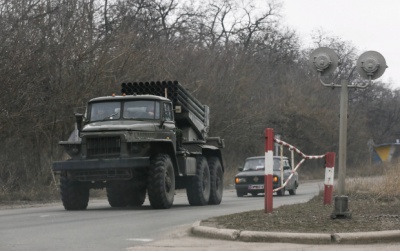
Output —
<point x="187" y="165"/>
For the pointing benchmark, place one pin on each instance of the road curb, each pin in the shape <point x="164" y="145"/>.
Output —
<point x="215" y="233"/>
<point x="367" y="237"/>
<point x="301" y="238"/>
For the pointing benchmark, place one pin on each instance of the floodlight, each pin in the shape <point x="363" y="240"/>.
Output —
<point x="371" y="65"/>
<point x="324" y="60"/>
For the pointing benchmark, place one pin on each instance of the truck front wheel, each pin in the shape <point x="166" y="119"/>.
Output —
<point x="74" y="195"/>
<point x="161" y="182"/>
<point x="138" y="196"/>
<point x="198" y="187"/>
<point x="125" y="193"/>
<point x="116" y="195"/>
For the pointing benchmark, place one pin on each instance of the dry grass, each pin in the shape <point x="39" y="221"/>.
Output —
<point x="385" y="185"/>
<point x="374" y="202"/>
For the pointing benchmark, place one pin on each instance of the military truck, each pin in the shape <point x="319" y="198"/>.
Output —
<point x="152" y="138"/>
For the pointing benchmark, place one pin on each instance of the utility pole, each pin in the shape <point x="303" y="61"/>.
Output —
<point x="370" y="65"/>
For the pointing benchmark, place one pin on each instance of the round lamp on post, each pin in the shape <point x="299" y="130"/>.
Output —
<point x="370" y="65"/>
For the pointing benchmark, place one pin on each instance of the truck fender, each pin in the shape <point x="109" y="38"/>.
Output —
<point x="212" y="151"/>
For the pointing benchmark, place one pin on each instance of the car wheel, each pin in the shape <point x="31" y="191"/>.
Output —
<point x="240" y="194"/>
<point x="281" y="192"/>
<point x="293" y="191"/>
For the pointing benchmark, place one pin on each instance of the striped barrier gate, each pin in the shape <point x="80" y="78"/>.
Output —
<point x="268" y="184"/>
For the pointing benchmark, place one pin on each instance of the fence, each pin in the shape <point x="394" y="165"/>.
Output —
<point x="268" y="178"/>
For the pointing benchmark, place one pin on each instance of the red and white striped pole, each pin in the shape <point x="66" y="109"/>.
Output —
<point x="329" y="177"/>
<point x="269" y="162"/>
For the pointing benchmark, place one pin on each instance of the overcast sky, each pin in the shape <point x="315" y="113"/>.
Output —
<point x="369" y="25"/>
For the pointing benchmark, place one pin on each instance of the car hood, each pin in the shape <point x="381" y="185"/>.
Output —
<point x="255" y="173"/>
<point x="118" y="125"/>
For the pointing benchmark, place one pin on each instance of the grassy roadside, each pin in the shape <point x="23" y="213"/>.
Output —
<point x="374" y="202"/>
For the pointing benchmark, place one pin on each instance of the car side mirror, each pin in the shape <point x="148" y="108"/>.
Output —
<point x="286" y="168"/>
<point x="240" y="169"/>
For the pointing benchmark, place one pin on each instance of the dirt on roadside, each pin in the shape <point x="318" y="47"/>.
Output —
<point x="314" y="217"/>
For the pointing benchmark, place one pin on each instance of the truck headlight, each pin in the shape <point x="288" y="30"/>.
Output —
<point x="73" y="149"/>
<point x="240" y="180"/>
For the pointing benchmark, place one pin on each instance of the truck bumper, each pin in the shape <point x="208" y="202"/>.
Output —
<point x="92" y="164"/>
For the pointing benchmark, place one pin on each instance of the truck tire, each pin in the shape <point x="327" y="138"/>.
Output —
<point x="161" y="182"/>
<point x="137" y="196"/>
<point x="125" y="193"/>
<point x="116" y="195"/>
<point x="216" y="181"/>
<point x="198" y="187"/>
<point x="74" y="195"/>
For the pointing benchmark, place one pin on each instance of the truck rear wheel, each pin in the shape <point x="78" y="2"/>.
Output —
<point x="161" y="182"/>
<point x="217" y="181"/>
<point x="74" y="195"/>
<point x="198" y="187"/>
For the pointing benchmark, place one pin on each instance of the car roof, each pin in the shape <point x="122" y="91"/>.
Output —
<point x="262" y="157"/>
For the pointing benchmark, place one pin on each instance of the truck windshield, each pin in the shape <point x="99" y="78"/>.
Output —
<point x="141" y="109"/>
<point x="105" y="111"/>
<point x="137" y="109"/>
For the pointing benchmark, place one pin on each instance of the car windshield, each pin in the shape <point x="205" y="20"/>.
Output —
<point x="138" y="109"/>
<point x="259" y="164"/>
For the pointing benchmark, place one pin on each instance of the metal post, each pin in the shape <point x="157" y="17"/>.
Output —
<point x="269" y="161"/>
<point x="344" y="100"/>
<point x="341" y="201"/>
<point x="329" y="177"/>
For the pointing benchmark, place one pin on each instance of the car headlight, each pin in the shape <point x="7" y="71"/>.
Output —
<point x="275" y="179"/>
<point x="240" y="180"/>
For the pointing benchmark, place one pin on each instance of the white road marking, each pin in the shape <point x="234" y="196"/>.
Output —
<point x="138" y="239"/>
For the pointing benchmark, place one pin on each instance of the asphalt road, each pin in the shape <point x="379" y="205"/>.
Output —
<point x="100" y="227"/>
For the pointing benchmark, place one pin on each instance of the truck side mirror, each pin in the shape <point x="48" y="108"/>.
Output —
<point x="79" y="119"/>
<point x="162" y="120"/>
<point x="178" y="109"/>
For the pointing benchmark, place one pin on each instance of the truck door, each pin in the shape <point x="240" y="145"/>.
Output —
<point x="169" y="123"/>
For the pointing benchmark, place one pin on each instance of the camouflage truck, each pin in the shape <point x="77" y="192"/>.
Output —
<point x="153" y="138"/>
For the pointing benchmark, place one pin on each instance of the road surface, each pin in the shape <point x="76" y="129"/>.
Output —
<point x="101" y="228"/>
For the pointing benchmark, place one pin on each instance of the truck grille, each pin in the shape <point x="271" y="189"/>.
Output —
<point x="103" y="147"/>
